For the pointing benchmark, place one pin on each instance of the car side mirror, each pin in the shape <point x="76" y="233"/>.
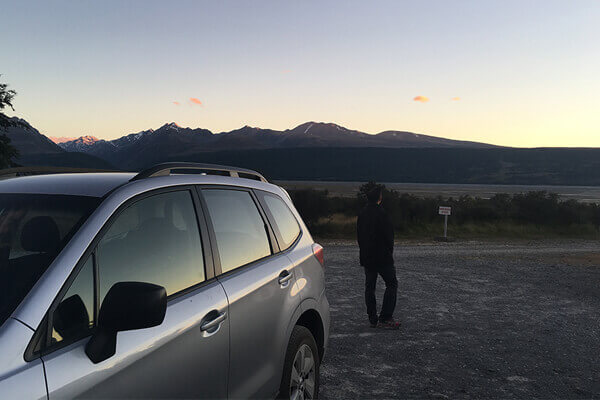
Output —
<point x="127" y="306"/>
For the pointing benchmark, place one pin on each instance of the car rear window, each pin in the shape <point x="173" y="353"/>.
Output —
<point x="239" y="228"/>
<point x="286" y="225"/>
<point x="34" y="228"/>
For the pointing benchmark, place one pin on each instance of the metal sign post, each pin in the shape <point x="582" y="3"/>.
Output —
<point x="445" y="211"/>
<point x="445" y="226"/>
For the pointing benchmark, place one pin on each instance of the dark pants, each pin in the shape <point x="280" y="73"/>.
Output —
<point x="389" y="297"/>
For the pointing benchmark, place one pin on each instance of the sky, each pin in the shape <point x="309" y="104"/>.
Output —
<point x="516" y="73"/>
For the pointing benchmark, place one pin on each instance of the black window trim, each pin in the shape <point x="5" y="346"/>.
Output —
<point x="260" y="194"/>
<point x="213" y="239"/>
<point x="44" y="330"/>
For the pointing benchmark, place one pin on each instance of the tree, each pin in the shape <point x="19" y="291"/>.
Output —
<point x="7" y="151"/>
<point x="366" y="188"/>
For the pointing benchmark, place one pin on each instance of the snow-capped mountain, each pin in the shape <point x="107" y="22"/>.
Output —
<point x="173" y="141"/>
<point x="80" y="144"/>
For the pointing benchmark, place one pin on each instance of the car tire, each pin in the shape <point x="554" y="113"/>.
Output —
<point x="300" y="378"/>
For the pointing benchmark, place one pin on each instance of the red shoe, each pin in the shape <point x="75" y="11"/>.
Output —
<point x="389" y="324"/>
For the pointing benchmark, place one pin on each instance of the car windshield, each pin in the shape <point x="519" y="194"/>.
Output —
<point x="33" y="230"/>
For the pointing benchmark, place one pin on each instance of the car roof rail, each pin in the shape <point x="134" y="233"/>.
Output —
<point x="40" y="170"/>
<point x="166" y="169"/>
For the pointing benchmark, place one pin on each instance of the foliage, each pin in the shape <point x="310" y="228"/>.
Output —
<point x="529" y="214"/>
<point x="6" y="97"/>
<point x="7" y="151"/>
<point x="314" y="204"/>
<point x="364" y="189"/>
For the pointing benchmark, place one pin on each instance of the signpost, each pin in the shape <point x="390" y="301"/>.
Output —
<point x="445" y="211"/>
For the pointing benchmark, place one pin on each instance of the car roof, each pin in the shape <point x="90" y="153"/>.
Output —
<point x="98" y="184"/>
<point x="77" y="184"/>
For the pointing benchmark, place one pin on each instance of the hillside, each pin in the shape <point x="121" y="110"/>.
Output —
<point x="29" y="140"/>
<point x="36" y="149"/>
<point x="543" y="166"/>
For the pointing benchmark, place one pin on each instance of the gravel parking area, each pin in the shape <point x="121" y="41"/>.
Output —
<point x="479" y="320"/>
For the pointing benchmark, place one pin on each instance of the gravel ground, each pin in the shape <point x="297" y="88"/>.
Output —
<point x="491" y="320"/>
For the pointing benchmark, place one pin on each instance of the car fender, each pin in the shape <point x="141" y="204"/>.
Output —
<point x="305" y="305"/>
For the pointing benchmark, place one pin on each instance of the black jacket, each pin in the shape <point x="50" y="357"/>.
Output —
<point x="375" y="237"/>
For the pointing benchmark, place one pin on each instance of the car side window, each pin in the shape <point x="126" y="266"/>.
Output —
<point x="74" y="315"/>
<point x="155" y="240"/>
<point x="239" y="228"/>
<point x="286" y="225"/>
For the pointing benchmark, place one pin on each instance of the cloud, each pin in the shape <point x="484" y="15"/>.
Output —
<point x="456" y="99"/>
<point x="421" y="99"/>
<point x="195" y="101"/>
<point x="177" y="103"/>
<point x="286" y="71"/>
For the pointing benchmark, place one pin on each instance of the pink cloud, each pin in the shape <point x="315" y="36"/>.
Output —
<point x="421" y="99"/>
<point x="177" y="103"/>
<point x="195" y="101"/>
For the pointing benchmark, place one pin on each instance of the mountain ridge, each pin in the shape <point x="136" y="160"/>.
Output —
<point x="29" y="140"/>
<point x="311" y="129"/>
<point x="174" y="141"/>
<point x="425" y="140"/>
<point x="36" y="149"/>
<point x="313" y="151"/>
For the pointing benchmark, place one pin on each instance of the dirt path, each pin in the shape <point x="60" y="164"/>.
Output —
<point x="479" y="320"/>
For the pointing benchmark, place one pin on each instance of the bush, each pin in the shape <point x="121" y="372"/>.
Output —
<point x="533" y="214"/>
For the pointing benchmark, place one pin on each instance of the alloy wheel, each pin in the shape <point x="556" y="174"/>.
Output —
<point x="302" y="384"/>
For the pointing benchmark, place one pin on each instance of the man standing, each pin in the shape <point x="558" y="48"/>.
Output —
<point x="376" y="242"/>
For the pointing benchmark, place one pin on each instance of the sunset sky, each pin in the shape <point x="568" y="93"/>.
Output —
<point x="518" y="73"/>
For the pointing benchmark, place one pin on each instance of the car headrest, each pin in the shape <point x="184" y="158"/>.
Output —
<point x="71" y="317"/>
<point x="40" y="234"/>
<point x="174" y="215"/>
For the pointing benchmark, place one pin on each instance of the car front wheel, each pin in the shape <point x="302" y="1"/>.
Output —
<point x="301" y="370"/>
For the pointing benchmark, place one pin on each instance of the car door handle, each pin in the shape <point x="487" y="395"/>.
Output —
<point x="208" y="325"/>
<point x="284" y="277"/>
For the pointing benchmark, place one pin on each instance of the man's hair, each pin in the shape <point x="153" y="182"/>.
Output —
<point x="374" y="194"/>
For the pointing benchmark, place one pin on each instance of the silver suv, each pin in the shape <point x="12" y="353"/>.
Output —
<point x="185" y="280"/>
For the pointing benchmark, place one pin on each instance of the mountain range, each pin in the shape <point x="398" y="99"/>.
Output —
<point x="145" y="147"/>
<point x="318" y="151"/>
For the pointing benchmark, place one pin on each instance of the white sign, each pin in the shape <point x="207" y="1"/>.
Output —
<point x="445" y="210"/>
